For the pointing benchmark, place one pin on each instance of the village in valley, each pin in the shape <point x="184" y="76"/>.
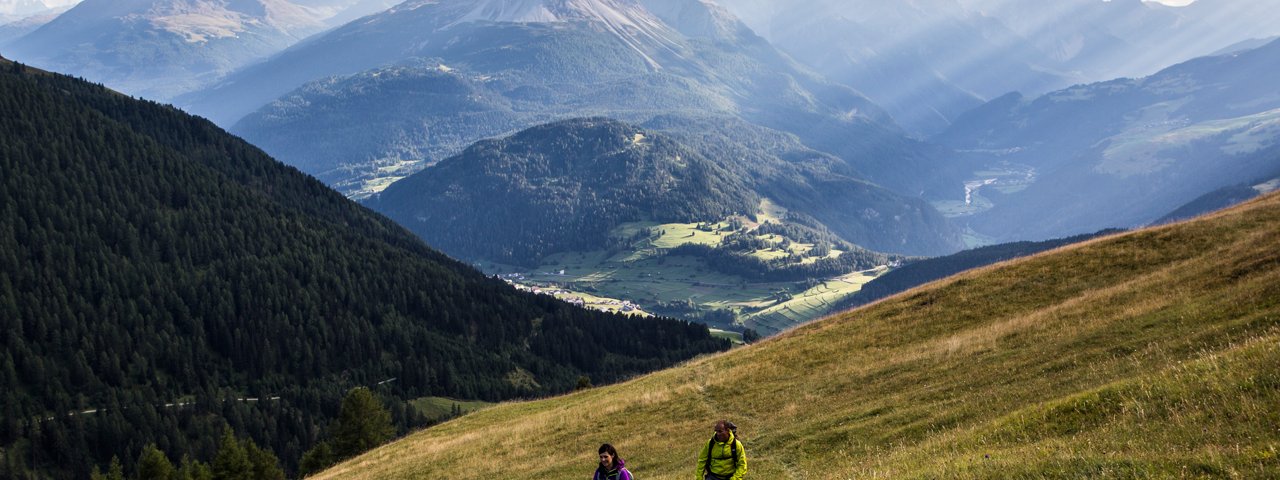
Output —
<point x="521" y="282"/>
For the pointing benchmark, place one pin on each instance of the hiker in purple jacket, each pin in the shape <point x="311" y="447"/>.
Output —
<point x="612" y="467"/>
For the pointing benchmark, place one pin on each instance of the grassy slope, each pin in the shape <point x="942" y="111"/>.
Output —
<point x="1147" y="354"/>
<point x="441" y="407"/>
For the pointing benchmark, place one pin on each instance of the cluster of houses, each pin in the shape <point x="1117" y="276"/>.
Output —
<point x="624" y="306"/>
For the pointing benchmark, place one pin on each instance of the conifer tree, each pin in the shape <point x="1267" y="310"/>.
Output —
<point x="265" y="464"/>
<point x="154" y="465"/>
<point x="363" y="423"/>
<point x="194" y="470"/>
<point x="232" y="462"/>
<point x="318" y="458"/>
<point x="114" y="472"/>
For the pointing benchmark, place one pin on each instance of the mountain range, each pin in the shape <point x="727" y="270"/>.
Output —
<point x="1130" y="38"/>
<point x="544" y="41"/>
<point x="465" y="70"/>
<point x="751" y="166"/>
<point x="927" y="62"/>
<point x="1120" y="153"/>
<point x="159" y="49"/>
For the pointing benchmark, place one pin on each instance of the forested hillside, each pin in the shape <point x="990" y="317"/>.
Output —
<point x="561" y="186"/>
<point x="565" y="186"/>
<point x="156" y="272"/>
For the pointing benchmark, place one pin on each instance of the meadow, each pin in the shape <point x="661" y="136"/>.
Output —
<point x="1150" y="354"/>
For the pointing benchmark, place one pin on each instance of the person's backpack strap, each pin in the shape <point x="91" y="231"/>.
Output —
<point x="733" y="449"/>
<point x="710" y="444"/>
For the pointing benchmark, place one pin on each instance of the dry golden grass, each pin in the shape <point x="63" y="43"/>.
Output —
<point x="1150" y="354"/>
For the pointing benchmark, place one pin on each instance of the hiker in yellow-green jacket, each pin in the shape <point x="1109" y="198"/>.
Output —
<point x="723" y="457"/>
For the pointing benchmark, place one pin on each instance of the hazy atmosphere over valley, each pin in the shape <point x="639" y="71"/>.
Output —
<point x="464" y="239"/>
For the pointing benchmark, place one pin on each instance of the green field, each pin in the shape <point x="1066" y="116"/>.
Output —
<point x="647" y="281"/>
<point x="734" y="337"/>
<point x="643" y="274"/>
<point x="809" y="304"/>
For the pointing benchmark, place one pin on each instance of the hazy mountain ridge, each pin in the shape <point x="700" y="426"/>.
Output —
<point x="1130" y="38"/>
<point x="1139" y="147"/>
<point x="15" y="9"/>
<point x="162" y="48"/>
<point x="928" y="62"/>
<point x="925" y="62"/>
<point x="530" y="51"/>
<point x="12" y="28"/>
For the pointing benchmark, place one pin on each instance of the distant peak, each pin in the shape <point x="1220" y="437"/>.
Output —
<point x="627" y="20"/>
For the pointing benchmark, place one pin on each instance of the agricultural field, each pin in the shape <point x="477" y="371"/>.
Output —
<point x="734" y="337"/>
<point x="644" y="276"/>
<point x="809" y="304"/>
